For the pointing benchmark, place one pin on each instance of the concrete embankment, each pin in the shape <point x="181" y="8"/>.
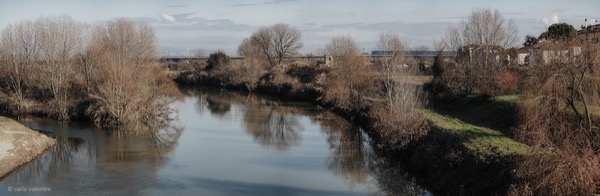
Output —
<point x="19" y="145"/>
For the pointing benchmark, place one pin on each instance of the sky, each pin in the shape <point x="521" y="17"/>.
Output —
<point x="183" y="27"/>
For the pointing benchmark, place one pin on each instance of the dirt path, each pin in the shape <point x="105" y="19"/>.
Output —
<point x="19" y="145"/>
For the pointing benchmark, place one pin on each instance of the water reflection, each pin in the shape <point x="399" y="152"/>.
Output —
<point x="272" y="128"/>
<point x="234" y="144"/>
<point x="216" y="105"/>
<point x="270" y="123"/>
<point x="275" y="124"/>
<point x="354" y="160"/>
<point x="113" y="161"/>
<point x="351" y="153"/>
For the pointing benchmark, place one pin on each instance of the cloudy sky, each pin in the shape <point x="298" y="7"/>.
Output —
<point x="183" y="25"/>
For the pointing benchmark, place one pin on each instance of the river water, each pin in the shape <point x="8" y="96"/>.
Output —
<point x="220" y="143"/>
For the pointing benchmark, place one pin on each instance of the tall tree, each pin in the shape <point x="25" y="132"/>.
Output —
<point x="286" y="40"/>
<point x="19" y="50"/>
<point x="390" y="70"/>
<point x="485" y="28"/>
<point x="61" y="39"/>
<point x="273" y="42"/>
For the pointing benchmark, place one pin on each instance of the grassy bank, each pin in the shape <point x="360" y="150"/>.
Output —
<point x="463" y="153"/>
<point x="481" y="140"/>
<point x="497" y="113"/>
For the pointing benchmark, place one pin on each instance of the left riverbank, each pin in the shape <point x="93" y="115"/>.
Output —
<point x="19" y="145"/>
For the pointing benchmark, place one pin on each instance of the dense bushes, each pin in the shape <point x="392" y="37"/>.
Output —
<point x="110" y="76"/>
<point x="216" y="59"/>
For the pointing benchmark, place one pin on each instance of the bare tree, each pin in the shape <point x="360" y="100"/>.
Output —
<point x="89" y="60"/>
<point x="391" y="68"/>
<point x="397" y="118"/>
<point x="132" y="89"/>
<point x="287" y="40"/>
<point x="19" y="49"/>
<point x="485" y="28"/>
<point x="480" y="41"/>
<point x="60" y="42"/>
<point x="273" y="43"/>
<point x="352" y="79"/>
<point x="342" y="46"/>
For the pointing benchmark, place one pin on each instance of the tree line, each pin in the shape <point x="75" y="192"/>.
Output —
<point x="108" y="74"/>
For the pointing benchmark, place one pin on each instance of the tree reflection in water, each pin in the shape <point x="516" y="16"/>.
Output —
<point x="276" y="125"/>
<point x="153" y="143"/>
<point x="92" y="156"/>
<point x="351" y="154"/>
<point x="353" y="159"/>
<point x="272" y="127"/>
<point x="270" y="123"/>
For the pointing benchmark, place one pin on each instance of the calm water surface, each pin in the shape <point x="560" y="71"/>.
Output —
<point x="221" y="143"/>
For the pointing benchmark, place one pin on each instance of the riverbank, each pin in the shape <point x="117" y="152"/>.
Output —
<point x="454" y="157"/>
<point x="19" y="145"/>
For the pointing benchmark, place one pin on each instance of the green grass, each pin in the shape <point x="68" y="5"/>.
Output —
<point x="497" y="113"/>
<point x="484" y="141"/>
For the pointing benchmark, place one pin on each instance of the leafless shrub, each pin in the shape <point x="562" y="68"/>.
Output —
<point x="351" y="79"/>
<point x="247" y="73"/>
<point x="397" y="119"/>
<point x="131" y="88"/>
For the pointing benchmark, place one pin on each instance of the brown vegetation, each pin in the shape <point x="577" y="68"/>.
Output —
<point x="351" y="79"/>
<point x="481" y="41"/>
<point x="397" y="118"/>
<point x="559" y="122"/>
<point x="109" y="76"/>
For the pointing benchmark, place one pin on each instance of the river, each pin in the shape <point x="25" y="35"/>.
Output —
<point x="219" y="143"/>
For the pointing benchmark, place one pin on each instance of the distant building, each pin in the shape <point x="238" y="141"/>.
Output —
<point x="523" y="56"/>
<point x="551" y="51"/>
<point x="477" y="53"/>
<point x="421" y="53"/>
<point x="590" y="32"/>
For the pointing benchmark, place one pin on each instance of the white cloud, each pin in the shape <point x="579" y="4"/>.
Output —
<point x="167" y="18"/>
<point x="550" y="20"/>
